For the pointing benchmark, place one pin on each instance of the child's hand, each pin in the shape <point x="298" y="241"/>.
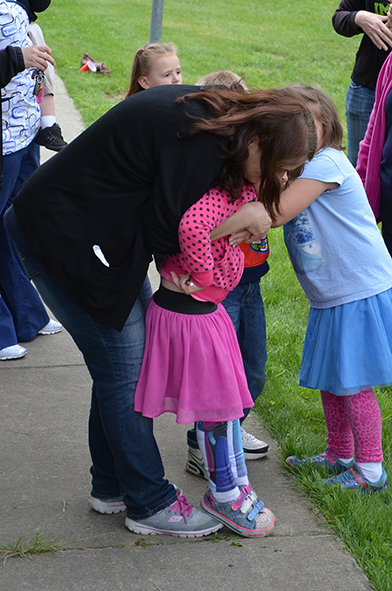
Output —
<point x="185" y="283"/>
<point x="251" y="217"/>
<point x="242" y="236"/>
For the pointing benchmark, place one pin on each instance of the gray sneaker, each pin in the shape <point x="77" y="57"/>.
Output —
<point x="107" y="506"/>
<point x="179" y="519"/>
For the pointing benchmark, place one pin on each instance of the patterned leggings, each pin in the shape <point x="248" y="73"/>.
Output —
<point x="221" y="448"/>
<point x="354" y="426"/>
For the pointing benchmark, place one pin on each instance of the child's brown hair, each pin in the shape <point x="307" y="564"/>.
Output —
<point x="324" y="109"/>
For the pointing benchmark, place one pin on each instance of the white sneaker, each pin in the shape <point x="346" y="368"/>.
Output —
<point x="194" y="463"/>
<point x="51" y="328"/>
<point x="254" y="448"/>
<point x="13" y="352"/>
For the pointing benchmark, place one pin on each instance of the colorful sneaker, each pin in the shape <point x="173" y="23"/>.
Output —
<point x="250" y="492"/>
<point x="107" y="506"/>
<point x="354" y="481"/>
<point x="254" y="448"/>
<point x="245" y="517"/>
<point x="324" y="460"/>
<point x="179" y="519"/>
<point x="195" y="464"/>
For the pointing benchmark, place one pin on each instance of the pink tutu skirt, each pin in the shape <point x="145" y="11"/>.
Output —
<point x="192" y="367"/>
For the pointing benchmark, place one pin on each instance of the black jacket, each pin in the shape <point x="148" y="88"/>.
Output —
<point x="369" y="59"/>
<point x="11" y="63"/>
<point x="123" y="185"/>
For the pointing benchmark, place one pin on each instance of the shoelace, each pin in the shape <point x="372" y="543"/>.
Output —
<point x="324" y="457"/>
<point x="247" y="436"/>
<point x="181" y="506"/>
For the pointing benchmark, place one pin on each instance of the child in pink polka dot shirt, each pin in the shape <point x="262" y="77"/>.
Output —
<point x="192" y="364"/>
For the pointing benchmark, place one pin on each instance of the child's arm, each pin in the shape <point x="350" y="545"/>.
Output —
<point x="252" y="218"/>
<point x="297" y="197"/>
<point x="244" y="225"/>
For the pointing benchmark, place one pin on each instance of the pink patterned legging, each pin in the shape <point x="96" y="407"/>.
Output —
<point x="354" y="426"/>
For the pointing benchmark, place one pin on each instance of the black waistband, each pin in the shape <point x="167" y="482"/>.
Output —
<point x="181" y="303"/>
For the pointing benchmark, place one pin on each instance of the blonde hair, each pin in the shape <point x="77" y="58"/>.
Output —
<point x="222" y="78"/>
<point x="142" y="63"/>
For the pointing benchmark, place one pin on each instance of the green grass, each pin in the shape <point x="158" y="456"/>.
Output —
<point x="295" y="418"/>
<point x="269" y="44"/>
<point x="27" y="548"/>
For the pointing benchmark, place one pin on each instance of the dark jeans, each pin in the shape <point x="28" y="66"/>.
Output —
<point x="22" y="313"/>
<point x="245" y="307"/>
<point x="125" y="456"/>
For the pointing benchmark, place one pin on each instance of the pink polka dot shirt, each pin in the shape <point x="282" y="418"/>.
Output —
<point x="216" y="266"/>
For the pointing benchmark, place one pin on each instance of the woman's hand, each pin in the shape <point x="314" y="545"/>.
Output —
<point x="37" y="56"/>
<point x="251" y="217"/>
<point x="389" y="18"/>
<point x="374" y="27"/>
<point x="185" y="283"/>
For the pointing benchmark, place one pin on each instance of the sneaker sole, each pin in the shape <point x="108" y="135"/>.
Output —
<point x="46" y="332"/>
<point x="196" y="469"/>
<point x="243" y="531"/>
<point x="10" y="357"/>
<point x="105" y="508"/>
<point x="138" y="528"/>
<point x="249" y="455"/>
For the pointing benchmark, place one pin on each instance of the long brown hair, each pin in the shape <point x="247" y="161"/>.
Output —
<point x="281" y="121"/>
<point x="142" y="62"/>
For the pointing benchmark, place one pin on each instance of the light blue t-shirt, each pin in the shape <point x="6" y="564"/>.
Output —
<point x="335" y="246"/>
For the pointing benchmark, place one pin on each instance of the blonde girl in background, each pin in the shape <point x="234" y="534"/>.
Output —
<point x="156" y="64"/>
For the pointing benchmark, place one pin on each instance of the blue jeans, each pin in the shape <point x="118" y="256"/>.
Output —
<point x="245" y="307"/>
<point x="22" y="313"/>
<point x="359" y="105"/>
<point x="125" y="456"/>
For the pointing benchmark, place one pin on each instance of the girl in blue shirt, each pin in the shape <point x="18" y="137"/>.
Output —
<point x="342" y="263"/>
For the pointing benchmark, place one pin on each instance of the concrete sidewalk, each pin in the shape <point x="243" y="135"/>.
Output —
<point x="45" y="484"/>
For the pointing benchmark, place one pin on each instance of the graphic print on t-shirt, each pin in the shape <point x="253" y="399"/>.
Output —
<point x="304" y="250"/>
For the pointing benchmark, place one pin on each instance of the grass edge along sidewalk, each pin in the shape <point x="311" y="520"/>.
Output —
<point x="269" y="45"/>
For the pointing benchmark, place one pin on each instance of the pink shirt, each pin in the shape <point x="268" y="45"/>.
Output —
<point x="370" y="148"/>
<point x="216" y="266"/>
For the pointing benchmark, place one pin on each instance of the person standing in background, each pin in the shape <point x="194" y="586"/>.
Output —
<point x="367" y="17"/>
<point x="22" y="313"/>
<point x="49" y="135"/>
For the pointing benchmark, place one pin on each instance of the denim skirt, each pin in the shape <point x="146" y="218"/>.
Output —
<point x="348" y="348"/>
